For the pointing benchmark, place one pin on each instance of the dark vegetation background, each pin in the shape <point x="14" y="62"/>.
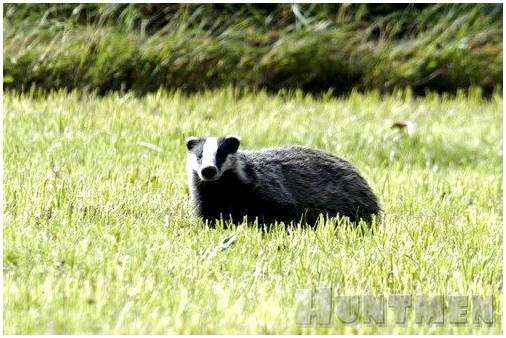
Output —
<point x="314" y="47"/>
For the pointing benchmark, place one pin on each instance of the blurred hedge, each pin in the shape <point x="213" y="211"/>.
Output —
<point x="318" y="47"/>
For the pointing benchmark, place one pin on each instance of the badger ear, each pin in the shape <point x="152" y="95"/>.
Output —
<point x="191" y="142"/>
<point x="231" y="144"/>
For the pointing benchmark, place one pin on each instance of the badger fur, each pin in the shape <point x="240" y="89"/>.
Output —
<point x="290" y="184"/>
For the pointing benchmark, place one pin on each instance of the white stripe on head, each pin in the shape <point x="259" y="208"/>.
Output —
<point x="209" y="152"/>
<point x="235" y="164"/>
<point x="193" y="163"/>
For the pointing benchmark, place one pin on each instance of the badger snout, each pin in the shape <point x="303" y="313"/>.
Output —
<point x="209" y="172"/>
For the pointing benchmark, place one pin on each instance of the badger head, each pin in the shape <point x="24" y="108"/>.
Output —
<point x="210" y="157"/>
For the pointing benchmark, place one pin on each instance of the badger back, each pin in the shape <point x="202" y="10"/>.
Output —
<point x="315" y="180"/>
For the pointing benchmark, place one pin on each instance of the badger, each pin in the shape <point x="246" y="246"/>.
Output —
<point x="287" y="184"/>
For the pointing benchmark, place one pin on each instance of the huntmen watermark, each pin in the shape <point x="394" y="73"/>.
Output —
<point x="319" y="306"/>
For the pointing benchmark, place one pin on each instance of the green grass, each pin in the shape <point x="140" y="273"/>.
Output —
<point x="314" y="47"/>
<point x="99" y="236"/>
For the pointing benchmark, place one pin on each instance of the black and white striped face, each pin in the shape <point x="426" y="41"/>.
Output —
<point x="209" y="156"/>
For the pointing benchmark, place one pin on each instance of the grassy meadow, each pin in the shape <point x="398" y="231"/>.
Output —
<point x="192" y="47"/>
<point x="99" y="236"/>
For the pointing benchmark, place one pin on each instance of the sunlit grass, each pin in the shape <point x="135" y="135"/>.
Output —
<point x="99" y="235"/>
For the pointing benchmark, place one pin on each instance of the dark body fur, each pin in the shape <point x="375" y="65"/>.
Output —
<point x="285" y="184"/>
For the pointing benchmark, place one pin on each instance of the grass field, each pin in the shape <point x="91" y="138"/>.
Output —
<point x="99" y="236"/>
<point x="314" y="47"/>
